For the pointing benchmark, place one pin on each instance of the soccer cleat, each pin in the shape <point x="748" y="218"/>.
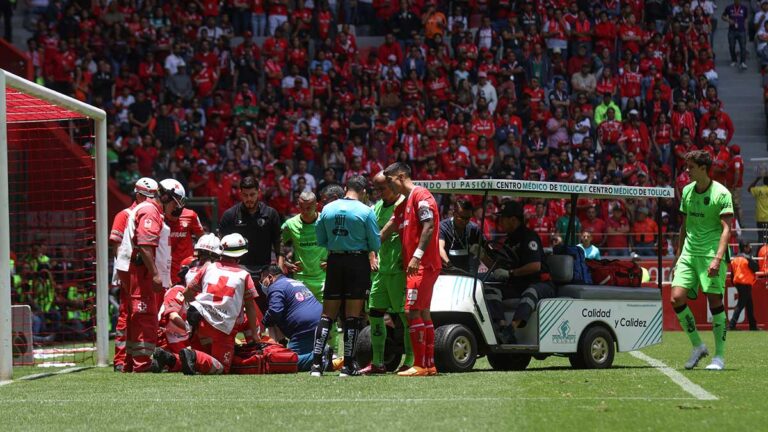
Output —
<point x="316" y="371"/>
<point x="403" y="368"/>
<point x="697" y="354"/>
<point x="350" y="370"/>
<point x="373" y="369"/>
<point x="432" y="371"/>
<point x="117" y="368"/>
<point x="337" y="363"/>
<point x="188" y="358"/>
<point x="162" y="359"/>
<point x="414" y="371"/>
<point x="718" y="363"/>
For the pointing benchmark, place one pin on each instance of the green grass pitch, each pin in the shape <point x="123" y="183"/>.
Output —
<point x="549" y="396"/>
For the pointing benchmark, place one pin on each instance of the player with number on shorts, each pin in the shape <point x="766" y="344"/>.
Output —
<point x="707" y="211"/>
<point x="417" y="220"/>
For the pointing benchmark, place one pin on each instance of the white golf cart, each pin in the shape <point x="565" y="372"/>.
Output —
<point x="587" y="323"/>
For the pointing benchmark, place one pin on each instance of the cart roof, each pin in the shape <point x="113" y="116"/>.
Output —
<point x="539" y="189"/>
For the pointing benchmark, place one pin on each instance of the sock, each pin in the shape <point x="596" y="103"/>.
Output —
<point x="429" y="339"/>
<point x="378" y="339"/>
<point x="351" y="329"/>
<point x="321" y="338"/>
<point x="406" y="341"/>
<point x="719" y="330"/>
<point x="416" y="334"/>
<point x="688" y="323"/>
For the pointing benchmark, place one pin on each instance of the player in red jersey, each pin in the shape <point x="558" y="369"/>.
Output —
<point x="143" y="189"/>
<point x="173" y="334"/>
<point x="417" y="222"/>
<point x="184" y="224"/>
<point x="219" y="292"/>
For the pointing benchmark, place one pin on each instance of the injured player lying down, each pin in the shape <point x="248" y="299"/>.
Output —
<point x="219" y="292"/>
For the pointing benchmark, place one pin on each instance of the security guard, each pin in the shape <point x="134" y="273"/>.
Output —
<point x="743" y="268"/>
<point x="258" y="223"/>
<point x="348" y="229"/>
<point x="457" y="235"/>
<point x="520" y="265"/>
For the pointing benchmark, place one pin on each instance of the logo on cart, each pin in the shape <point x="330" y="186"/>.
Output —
<point x="565" y="336"/>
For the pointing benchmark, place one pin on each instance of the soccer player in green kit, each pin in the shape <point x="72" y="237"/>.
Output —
<point x="309" y="259"/>
<point x="388" y="283"/>
<point x="707" y="210"/>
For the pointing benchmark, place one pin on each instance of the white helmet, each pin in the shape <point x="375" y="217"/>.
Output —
<point x="234" y="245"/>
<point x="209" y="243"/>
<point x="145" y="186"/>
<point x="175" y="190"/>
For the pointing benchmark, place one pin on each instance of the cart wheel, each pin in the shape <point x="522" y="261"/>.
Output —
<point x="455" y="348"/>
<point x="596" y="350"/>
<point x="393" y="354"/>
<point x="509" y="362"/>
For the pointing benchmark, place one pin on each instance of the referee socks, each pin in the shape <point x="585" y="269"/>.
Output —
<point x="321" y="338"/>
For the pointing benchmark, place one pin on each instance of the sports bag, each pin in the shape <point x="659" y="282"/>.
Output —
<point x="615" y="272"/>
<point x="581" y="273"/>
<point x="264" y="358"/>
<point x="280" y="360"/>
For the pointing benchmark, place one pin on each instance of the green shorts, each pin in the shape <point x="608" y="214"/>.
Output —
<point x="387" y="292"/>
<point x="314" y="284"/>
<point x="691" y="273"/>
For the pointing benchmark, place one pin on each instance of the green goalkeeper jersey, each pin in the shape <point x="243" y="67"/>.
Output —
<point x="391" y="252"/>
<point x="703" y="212"/>
<point x="305" y="249"/>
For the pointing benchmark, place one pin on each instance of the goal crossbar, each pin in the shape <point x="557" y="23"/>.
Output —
<point x="99" y="117"/>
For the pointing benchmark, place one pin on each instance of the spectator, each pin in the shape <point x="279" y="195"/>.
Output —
<point x="644" y="233"/>
<point x="735" y="15"/>
<point x="760" y="193"/>
<point x="590" y="251"/>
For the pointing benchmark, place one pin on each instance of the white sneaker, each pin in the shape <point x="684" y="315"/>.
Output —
<point x="697" y="354"/>
<point x="718" y="363"/>
<point x="743" y="65"/>
<point x="733" y="64"/>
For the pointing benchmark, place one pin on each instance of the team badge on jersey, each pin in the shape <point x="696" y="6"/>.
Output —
<point x="533" y="245"/>
<point x="299" y="296"/>
<point x="147" y="223"/>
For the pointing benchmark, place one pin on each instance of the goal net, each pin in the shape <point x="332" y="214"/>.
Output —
<point x="53" y="228"/>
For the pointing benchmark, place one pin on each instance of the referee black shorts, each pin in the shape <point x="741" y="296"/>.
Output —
<point x="348" y="277"/>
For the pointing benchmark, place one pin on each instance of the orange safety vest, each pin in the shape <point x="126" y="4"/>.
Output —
<point x="763" y="253"/>
<point x="742" y="274"/>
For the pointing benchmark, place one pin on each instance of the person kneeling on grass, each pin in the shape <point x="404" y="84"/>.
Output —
<point x="219" y="292"/>
<point x="293" y="310"/>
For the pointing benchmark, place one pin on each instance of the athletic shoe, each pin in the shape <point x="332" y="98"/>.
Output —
<point x="348" y="371"/>
<point x="743" y="66"/>
<point x="373" y="369"/>
<point x="188" y="357"/>
<point x="403" y="368"/>
<point x="414" y="371"/>
<point x="508" y="335"/>
<point x="162" y="359"/>
<point x="733" y="64"/>
<point x="432" y="371"/>
<point x="718" y="363"/>
<point x="316" y="370"/>
<point x="117" y="368"/>
<point x="697" y="354"/>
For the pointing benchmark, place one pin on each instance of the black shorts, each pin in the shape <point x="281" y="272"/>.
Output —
<point x="348" y="277"/>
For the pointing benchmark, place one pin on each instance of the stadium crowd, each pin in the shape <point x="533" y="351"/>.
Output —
<point x="600" y="91"/>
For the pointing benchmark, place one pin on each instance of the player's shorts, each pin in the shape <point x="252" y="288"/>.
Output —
<point x="387" y="291"/>
<point x="315" y="285"/>
<point x="691" y="273"/>
<point x="348" y="277"/>
<point x="418" y="289"/>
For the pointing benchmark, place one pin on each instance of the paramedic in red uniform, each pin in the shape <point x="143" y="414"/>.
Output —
<point x="143" y="189"/>
<point x="143" y="261"/>
<point x="417" y="222"/>
<point x="184" y="224"/>
<point x="219" y="292"/>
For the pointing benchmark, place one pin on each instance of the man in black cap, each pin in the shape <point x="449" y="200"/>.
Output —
<point x="520" y="265"/>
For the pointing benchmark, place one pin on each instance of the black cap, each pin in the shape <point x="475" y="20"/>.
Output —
<point x="510" y="209"/>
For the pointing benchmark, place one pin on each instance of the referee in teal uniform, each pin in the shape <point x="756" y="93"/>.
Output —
<point x="348" y="229"/>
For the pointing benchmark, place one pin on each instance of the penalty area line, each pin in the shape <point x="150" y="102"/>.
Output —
<point x="689" y="386"/>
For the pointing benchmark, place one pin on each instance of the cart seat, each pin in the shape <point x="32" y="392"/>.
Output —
<point x="509" y="304"/>
<point x="606" y="292"/>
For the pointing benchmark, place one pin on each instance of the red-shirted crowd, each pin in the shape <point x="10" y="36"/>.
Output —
<point x="598" y="91"/>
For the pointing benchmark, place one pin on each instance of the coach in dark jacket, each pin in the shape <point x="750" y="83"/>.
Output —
<point x="292" y="309"/>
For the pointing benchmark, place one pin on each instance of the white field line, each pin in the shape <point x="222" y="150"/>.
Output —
<point x="689" y="386"/>
<point x="47" y="374"/>
<point x="2" y="383"/>
<point x="356" y="400"/>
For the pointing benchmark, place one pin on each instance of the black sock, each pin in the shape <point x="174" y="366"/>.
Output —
<point x="351" y="330"/>
<point x="322" y="333"/>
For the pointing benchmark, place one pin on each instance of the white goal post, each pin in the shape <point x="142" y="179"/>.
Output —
<point x="99" y="118"/>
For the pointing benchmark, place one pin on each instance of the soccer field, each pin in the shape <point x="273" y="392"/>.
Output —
<point x="548" y="396"/>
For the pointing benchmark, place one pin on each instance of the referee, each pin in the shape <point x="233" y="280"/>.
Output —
<point x="348" y="229"/>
